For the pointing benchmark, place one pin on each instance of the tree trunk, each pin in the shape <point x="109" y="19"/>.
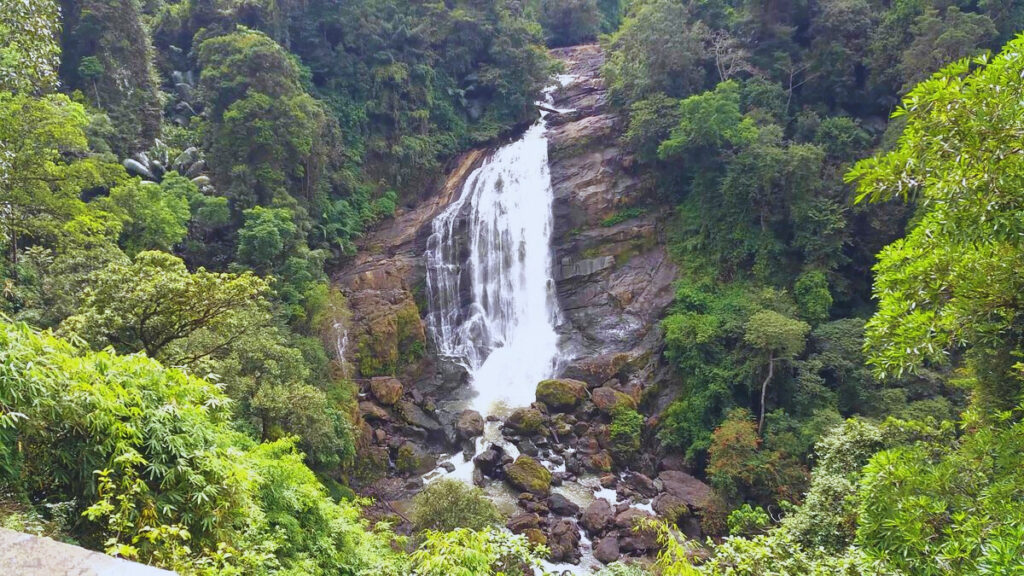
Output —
<point x="764" y="390"/>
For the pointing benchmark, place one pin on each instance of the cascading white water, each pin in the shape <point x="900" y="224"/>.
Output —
<point x="492" y="249"/>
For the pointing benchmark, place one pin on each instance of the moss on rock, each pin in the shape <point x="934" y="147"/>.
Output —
<point x="529" y="475"/>
<point x="561" y="395"/>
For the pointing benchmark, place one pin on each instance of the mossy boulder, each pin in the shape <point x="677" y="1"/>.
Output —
<point x="529" y="475"/>
<point x="386" y="390"/>
<point x="525" y="421"/>
<point x="608" y="400"/>
<point x="414" y="459"/>
<point x="561" y="395"/>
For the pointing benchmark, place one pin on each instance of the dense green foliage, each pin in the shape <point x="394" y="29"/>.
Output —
<point x="175" y="177"/>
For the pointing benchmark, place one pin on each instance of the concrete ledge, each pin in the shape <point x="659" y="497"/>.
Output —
<point x="27" y="555"/>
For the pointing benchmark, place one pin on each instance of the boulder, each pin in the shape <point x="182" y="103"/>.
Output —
<point x="372" y="412"/>
<point x="523" y="521"/>
<point x="598" y="517"/>
<point x="469" y="424"/>
<point x="670" y="508"/>
<point x="608" y="399"/>
<point x="606" y="550"/>
<point x="561" y="395"/>
<point x="415" y="416"/>
<point x="564" y="541"/>
<point x="642" y="485"/>
<point x="599" y="462"/>
<point x="413" y="458"/>
<point x="628" y="519"/>
<point x="529" y="475"/>
<point x="386" y="390"/>
<point x="536" y="537"/>
<point x="489" y="461"/>
<point x="525" y="421"/>
<point x="562" y="506"/>
<point x="685" y="487"/>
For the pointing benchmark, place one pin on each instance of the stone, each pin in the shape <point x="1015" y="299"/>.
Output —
<point x="562" y="506"/>
<point x="599" y="462"/>
<point x="561" y="395"/>
<point x="628" y="520"/>
<point x="669" y="507"/>
<point x="536" y="537"/>
<point x="371" y="412"/>
<point x="415" y="416"/>
<point x="606" y="550"/>
<point x="608" y="399"/>
<point x="642" y="484"/>
<point x="525" y="421"/>
<point x="564" y="541"/>
<point x="386" y="390"/>
<point x="608" y="480"/>
<point x="411" y="458"/>
<point x="448" y="467"/>
<point x="690" y="490"/>
<point x="26" y="555"/>
<point x="489" y="461"/>
<point x="523" y="521"/>
<point x="469" y="424"/>
<point x="598" y="517"/>
<point x="529" y="475"/>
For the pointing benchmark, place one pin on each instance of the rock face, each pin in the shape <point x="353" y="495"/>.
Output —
<point x="386" y="390"/>
<point x="613" y="275"/>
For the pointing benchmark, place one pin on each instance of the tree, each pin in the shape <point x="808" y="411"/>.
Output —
<point x="40" y="181"/>
<point x="953" y="283"/>
<point x="31" y="49"/>
<point x="569" y="22"/>
<point x="778" y="336"/>
<point x="154" y="304"/>
<point x="939" y="40"/>
<point x="156" y="215"/>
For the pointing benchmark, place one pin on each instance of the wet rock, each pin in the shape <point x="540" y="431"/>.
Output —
<point x="523" y="521"/>
<point x="564" y="541"/>
<point x="561" y="395"/>
<point x="373" y="413"/>
<point x="606" y="550"/>
<point x="690" y="490"/>
<point x="608" y="480"/>
<point x="608" y="399"/>
<point x="598" y="517"/>
<point x="448" y="467"/>
<point x="669" y="507"/>
<point x="562" y="506"/>
<point x="489" y="461"/>
<point x="414" y="415"/>
<point x="525" y="421"/>
<point x="536" y="537"/>
<point x="631" y="518"/>
<point x="527" y="447"/>
<point x="529" y="475"/>
<point x="413" y="458"/>
<point x="642" y="484"/>
<point x="599" y="462"/>
<point x="469" y="424"/>
<point x="386" y="390"/>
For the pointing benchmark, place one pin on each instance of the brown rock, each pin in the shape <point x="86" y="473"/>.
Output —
<point x="690" y="490"/>
<point x="608" y="399"/>
<point x="386" y="390"/>
<point x="371" y="412"/>
<point x="523" y="521"/>
<point x="469" y="424"/>
<point x="598" y="517"/>
<point x="628" y="520"/>
<point x="669" y="507"/>
<point x="535" y="536"/>
<point x="599" y="462"/>
<point x="564" y="541"/>
<point x="606" y="550"/>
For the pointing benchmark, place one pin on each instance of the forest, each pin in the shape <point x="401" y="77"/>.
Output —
<point x="838" y="367"/>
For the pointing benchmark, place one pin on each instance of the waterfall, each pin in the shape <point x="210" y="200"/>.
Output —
<point x="492" y="306"/>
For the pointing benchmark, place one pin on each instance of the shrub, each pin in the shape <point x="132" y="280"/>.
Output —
<point x="449" y="504"/>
